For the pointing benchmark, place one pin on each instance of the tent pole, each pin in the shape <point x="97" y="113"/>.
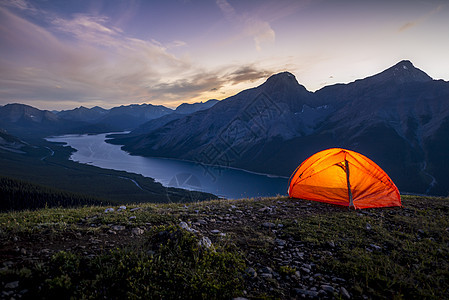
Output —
<point x="351" y="204"/>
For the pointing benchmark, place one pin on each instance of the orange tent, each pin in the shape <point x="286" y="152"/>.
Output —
<point x="343" y="177"/>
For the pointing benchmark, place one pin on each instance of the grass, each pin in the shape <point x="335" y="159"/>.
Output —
<point x="168" y="263"/>
<point x="386" y="253"/>
<point x="392" y="253"/>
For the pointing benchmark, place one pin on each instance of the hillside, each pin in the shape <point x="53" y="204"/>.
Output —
<point x="251" y="248"/>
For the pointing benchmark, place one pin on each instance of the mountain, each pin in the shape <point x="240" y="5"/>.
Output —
<point x="187" y="108"/>
<point x="84" y="114"/>
<point x="399" y="118"/>
<point x="11" y="143"/>
<point x="122" y="118"/>
<point x="128" y="117"/>
<point x="26" y="121"/>
<point x="235" y="131"/>
<point x="180" y="112"/>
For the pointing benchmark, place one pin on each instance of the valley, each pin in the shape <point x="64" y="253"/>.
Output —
<point x="48" y="165"/>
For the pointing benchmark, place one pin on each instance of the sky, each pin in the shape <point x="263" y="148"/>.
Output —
<point x="62" y="54"/>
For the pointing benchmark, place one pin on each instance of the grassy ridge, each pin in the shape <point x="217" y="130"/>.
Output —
<point x="306" y="248"/>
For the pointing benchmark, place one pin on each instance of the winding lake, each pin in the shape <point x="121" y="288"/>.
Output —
<point x="224" y="182"/>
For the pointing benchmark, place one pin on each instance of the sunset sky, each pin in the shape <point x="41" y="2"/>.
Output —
<point x="63" y="54"/>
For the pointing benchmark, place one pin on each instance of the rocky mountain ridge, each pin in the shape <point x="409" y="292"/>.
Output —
<point x="25" y="121"/>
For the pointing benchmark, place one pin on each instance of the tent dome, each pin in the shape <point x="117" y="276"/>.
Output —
<point x="343" y="177"/>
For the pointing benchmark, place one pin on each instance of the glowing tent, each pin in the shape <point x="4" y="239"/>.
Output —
<point x="343" y="177"/>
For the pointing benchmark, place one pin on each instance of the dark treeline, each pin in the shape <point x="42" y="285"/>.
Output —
<point x="18" y="195"/>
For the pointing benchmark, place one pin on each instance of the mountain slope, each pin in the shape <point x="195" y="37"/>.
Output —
<point x="247" y="117"/>
<point x="188" y="108"/>
<point x="26" y="121"/>
<point x="397" y="118"/>
<point x="84" y="114"/>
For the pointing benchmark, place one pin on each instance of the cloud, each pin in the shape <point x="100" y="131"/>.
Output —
<point x="251" y="26"/>
<point x="420" y="20"/>
<point x="84" y="59"/>
<point x="19" y="4"/>
<point x="90" y="29"/>
<point x="406" y="26"/>
<point x="247" y="73"/>
<point x="92" y="60"/>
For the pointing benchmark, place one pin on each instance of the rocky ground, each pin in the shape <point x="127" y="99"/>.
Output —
<point x="284" y="257"/>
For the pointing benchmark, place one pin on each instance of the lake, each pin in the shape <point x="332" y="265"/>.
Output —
<point x="224" y="182"/>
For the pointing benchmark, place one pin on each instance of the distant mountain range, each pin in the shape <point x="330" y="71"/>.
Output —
<point x="26" y="121"/>
<point x="399" y="118"/>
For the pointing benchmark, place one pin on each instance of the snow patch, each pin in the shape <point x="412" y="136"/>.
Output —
<point x="405" y="67"/>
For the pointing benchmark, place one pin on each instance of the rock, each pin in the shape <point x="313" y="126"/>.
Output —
<point x="344" y="293"/>
<point x="251" y="272"/>
<point x="306" y="293"/>
<point x="184" y="225"/>
<point x="331" y="244"/>
<point x="297" y="275"/>
<point x="23" y="292"/>
<point x="7" y="294"/>
<point x="108" y="210"/>
<point x="132" y="218"/>
<point x="122" y="207"/>
<point x="280" y="242"/>
<point x="8" y="263"/>
<point x="134" y="209"/>
<point x="328" y="289"/>
<point x="368" y="226"/>
<point x="240" y="298"/>
<point x="265" y="209"/>
<point x="118" y="227"/>
<point x="205" y="242"/>
<point x="340" y="280"/>
<point x="215" y="231"/>
<point x="12" y="285"/>
<point x="305" y="270"/>
<point x="375" y="247"/>
<point x="266" y="275"/>
<point x="137" y="231"/>
<point x="321" y="294"/>
<point x="269" y="225"/>
<point x="267" y="270"/>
